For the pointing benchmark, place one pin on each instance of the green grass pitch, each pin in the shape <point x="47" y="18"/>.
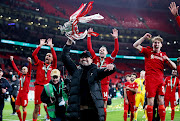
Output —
<point x="115" y="112"/>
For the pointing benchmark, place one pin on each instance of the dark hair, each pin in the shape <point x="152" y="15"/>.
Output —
<point x="134" y="74"/>
<point x="128" y="75"/>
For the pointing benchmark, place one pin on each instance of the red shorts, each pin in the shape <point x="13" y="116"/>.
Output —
<point x="154" y="89"/>
<point x="170" y="99"/>
<point x="37" y="96"/>
<point x="130" y="105"/>
<point x="105" y="92"/>
<point x="22" y="99"/>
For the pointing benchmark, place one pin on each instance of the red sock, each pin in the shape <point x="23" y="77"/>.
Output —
<point x="45" y="108"/>
<point x="150" y="112"/>
<point x="39" y="110"/>
<point x="125" y="115"/>
<point x="19" y="114"/>
<point x="34" y="119"/>
<point x="24" y="115"/>
<point x="162" y="112"/>
<point x="105" y="111"/>
<point x="172" y="114"/>
<point x="132" y="116"/>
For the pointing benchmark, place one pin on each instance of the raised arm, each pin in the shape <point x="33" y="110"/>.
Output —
<point x="30" y="65"/>
<point x="116" y="43"/>
<point x="137" y="44"/>
<point x="178" y="65"/>
<point x="174" y="10"/>
<point x="49" y="43"/>
<point x="89" y="44"/>
<point x="14" y="65"/>
<point x="66" y="59"/>
<point x="34" y="54"/>
<point x="169" y="62"/>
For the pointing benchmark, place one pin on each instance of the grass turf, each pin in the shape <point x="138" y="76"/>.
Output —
<point x="114" y="112"/>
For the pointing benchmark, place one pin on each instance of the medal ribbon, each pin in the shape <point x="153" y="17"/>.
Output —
<point x="46" y="69"/>
<point x="102" y="62"/>
<point x="174" y="82"/>
<point x="22" y="81"/>
<point x="59" y="89"/>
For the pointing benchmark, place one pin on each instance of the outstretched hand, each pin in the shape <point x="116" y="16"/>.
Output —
<point x="11" y="58"/>
<point x="49" y="42"/>
<point x="147" y="36"/>
<point x="90" y="30"/>
<point x="174" y="9"/>
<point x="29" y="59"/>
<point x="109" y="67"/>
<point x="42" y="42"/>
<point x="115" y="33"/>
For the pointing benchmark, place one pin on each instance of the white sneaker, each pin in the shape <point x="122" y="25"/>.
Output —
<point x="13" y="114"/>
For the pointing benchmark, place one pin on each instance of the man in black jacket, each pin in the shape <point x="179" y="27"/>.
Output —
<point x="85" y="102"/>
<point x="14" y="85"/>
<point x="5" y="88"/>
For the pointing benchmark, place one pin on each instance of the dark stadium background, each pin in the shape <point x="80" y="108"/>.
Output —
<point x="29" y="20"/>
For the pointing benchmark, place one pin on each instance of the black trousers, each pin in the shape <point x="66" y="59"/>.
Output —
<point x="89" y="115"/>
<point x="13" y="104"/>
<point x="1" y="108"/>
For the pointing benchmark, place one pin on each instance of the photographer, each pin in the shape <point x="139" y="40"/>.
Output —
<point x="5" y="88"/>
<point x="54" y="95"/>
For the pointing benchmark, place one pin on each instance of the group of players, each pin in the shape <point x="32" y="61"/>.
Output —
<point x="134" y="90"/>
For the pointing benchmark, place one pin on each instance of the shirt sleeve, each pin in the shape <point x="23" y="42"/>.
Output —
<point x="89" y="46"/>
<point x="178" y="20"/>
<point x="116" y="49"/>
<point x="178" y="69"/>
<point x="54" y="58"/>
<point x="29" y="68"/>
<point x="15" y="68"/>
<point x="34" y="55"/>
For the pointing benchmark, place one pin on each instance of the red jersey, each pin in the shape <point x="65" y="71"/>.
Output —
<point x="178" y="69"/>
<point x="24" y="79"/>
<point x="103" y="63"/>
<point x="131" y="95"/>
<point x="171" y="84"/>
<point x="178" y="20"/>
<point x="43" y="73"/>
<point x="154" y="64"/>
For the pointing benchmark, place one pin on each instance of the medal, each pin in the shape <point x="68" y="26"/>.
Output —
<point x="21" y="88"/>
<point x="173" y="84"/>
<point x="46" y="70"/>
<point x="22" y="79"/>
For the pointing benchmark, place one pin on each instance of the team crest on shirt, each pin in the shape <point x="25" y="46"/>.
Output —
<point x="157" y="57"/>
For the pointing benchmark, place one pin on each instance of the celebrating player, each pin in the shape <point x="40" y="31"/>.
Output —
<point x="154" y="65"/>
<point x="130" y="90"/>
<point x="174" y="10"/>
<point x="102" y="61"/>
<point x="171" y="82"/>
<point x="25" y="78"/>
<point x="141" y="92"/>
<point x="43" y="73"/>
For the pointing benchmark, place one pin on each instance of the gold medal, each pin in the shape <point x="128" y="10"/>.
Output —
<point x="46" y="78"/>
<point x="21" y="88"/>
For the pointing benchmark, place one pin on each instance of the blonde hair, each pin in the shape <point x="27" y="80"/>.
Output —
<point x="157" y="38"/>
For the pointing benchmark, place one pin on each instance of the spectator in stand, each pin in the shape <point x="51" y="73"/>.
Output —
<point x="174" y="10"/>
